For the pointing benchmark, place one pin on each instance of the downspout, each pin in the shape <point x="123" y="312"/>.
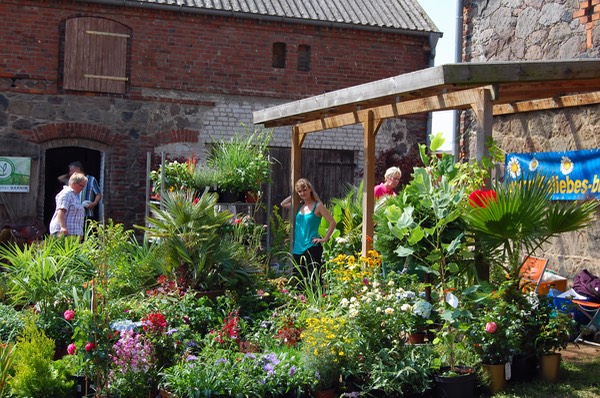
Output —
<point x="457" y="59"/>
<point x="433" y="40"/>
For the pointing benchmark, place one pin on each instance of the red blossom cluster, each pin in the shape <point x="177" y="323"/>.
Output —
<point x="230" y="329"/>
<point x="154" y="323"/>
<point x="289" y="335"/>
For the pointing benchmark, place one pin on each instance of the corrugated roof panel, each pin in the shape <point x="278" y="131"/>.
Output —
<point x="390" y="14"/>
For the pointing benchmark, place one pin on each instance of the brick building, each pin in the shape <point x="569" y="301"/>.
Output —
<point x="109" y="82"/>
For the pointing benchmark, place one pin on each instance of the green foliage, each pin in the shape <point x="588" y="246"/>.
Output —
<point x="420" y="229"/>
<point x="7" y="350"/>
<point x="347" y="212"/>
<point x="131" y="266"/>
<point x="177" y="175"/>
<point x="521" y="220"/>
<point x="11" y="323"/>
<point x="242" y="162"/>
<point x="34" y="372"/>
<point x="190" y="234"/>
<point x="43" y="273"/>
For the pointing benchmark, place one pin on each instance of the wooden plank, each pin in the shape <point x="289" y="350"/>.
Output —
<point x="483" y="123"/>
<point x="565" y="101"/>
<point x="454" y="100"/>
<point x="370" y="126"/>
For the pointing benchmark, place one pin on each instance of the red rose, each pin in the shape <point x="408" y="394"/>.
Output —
<point x="90" y="346"/>
<point x="491" y="327"/>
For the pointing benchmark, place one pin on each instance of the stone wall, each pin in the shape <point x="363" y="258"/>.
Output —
<point x="513" y="30"/>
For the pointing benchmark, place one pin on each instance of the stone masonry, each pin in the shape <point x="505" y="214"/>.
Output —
<point x="513" y="30"/>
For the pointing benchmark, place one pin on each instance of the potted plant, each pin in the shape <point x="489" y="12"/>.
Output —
<point x="496" y="330"/>
<point x="323" y="352"/>
<point x="175" y="175"/>
<point x="242" y="161"/>
<point x="197" y="252"/>
<point x="556" y="329"/>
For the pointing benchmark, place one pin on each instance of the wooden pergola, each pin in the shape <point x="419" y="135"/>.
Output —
<point x="489" y="89"/>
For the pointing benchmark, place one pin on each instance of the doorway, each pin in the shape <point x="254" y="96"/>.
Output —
<point x="57" y="163"/>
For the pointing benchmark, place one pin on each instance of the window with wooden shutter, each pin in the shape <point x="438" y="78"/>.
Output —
<point x="95" y="55"/>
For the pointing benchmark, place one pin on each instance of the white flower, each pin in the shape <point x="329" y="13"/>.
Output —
<point x="378" y="310"/>
<point x="353" y="299"/>
<point x="389" y="311"/>
<point x="533" y="164"/>
<point x="391" y="283"/>
<point x="353" y="313"/>
<point x="566" y="165"/>
<point x="514" y="168"/>
<point x="422" y="308"/>
<point x="344" y="302"/>
<point x="406" y="307"/>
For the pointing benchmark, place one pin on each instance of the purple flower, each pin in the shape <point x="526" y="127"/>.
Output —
<point x="292" y="371"/>
<point x="269" y="368"/>
<point x="191" y="358"/>
<point x="171" y="331"/>
<point x="250" y="355"/>
<point x="221" y="360"/>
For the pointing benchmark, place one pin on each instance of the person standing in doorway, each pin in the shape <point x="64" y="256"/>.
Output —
<point x="392" y="178"/>
<point x="90" y="196"/>
<point x="308" y="249"/>
<point x="69" y="215"/>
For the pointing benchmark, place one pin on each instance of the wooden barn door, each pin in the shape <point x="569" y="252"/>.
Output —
<point x="329" y="171"/>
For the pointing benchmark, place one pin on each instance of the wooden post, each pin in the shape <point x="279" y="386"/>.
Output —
<point x="371" y="126"/>
<point x="483" y="111"/>
<point x="296" y="163"/>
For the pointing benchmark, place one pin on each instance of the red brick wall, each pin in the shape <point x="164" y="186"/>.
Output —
<point x="207" y="53"/>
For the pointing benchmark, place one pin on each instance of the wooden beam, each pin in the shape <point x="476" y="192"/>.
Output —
<point x="296" y="163"/>
<point x="454" y="100"/>
<point x="482" y="109"/>
<point x="370" y="127"/>
<point x="565" y="101"/>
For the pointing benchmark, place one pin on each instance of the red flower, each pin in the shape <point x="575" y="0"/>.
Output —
<point x="154" y="322"/>
<point x="71" y="349"/>
<point x="90" y="346"/>
<point x="69" y="315"/>
<point x="481" y="197"/>
<point x="491" y="327"/>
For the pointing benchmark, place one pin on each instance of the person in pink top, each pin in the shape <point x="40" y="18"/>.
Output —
<point x="392" y="178"/>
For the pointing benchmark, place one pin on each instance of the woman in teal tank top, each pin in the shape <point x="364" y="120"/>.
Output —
<point x="307" y="249"/>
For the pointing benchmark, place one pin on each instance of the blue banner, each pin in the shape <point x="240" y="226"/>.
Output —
<point x="574" y="174"/>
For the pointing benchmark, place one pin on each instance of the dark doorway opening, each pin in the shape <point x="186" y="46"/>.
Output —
<point x="57" y="163"/>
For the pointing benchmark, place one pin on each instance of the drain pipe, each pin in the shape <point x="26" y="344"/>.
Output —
<point x="457" y="59"/>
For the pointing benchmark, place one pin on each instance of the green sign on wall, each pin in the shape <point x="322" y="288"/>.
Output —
<point x="15" y="174"/>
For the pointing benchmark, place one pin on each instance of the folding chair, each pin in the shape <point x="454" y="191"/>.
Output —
<point x="591" y="311"/>
<point x="531" y="272"/>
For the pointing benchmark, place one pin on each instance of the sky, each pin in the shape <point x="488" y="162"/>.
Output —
<point x="443" y="15"/>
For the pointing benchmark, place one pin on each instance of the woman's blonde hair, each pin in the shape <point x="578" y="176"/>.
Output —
<point x="304" y="183"/>
<point x="392" y="171"/>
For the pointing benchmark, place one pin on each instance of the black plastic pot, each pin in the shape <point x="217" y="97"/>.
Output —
<point x="461" y="385"/>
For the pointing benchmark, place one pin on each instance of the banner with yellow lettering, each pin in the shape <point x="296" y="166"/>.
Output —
<point x="575" y="175"/>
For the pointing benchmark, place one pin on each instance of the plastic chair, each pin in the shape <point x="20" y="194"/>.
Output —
<point x="531" y="272"/>
<point x="591" y="311"/>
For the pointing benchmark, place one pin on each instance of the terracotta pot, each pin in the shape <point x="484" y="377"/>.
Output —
<point x="416" y="338"/>
<point x="329" y="393"/>
<point x="496" y="375"/>
<point x="550" y="367"/>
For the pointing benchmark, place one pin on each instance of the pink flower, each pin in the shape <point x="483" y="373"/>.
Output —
<point x="491" y="327"/>
<point x="71" y="349"/>
<point x="90" y="346"/>
<point x="69" y="315"/>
